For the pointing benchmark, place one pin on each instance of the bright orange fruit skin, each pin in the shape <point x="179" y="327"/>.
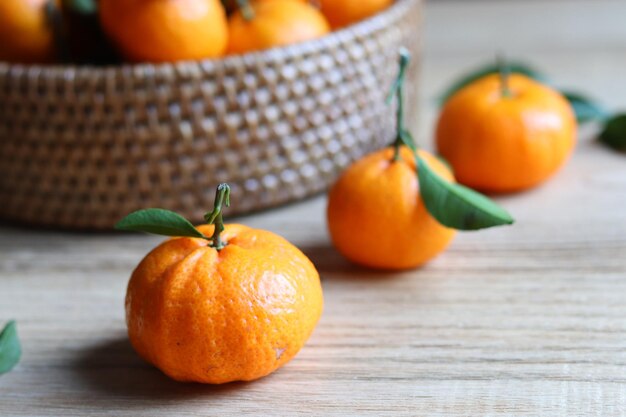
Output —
<point x="25" y="34"/>
<point x="165" y="30"/>
<point x="215" y="317"/>
<point x="499" y="144"/>
<point x="275" y="23"/>
<point x="341" y="13"/>
<point x="377" y="218"/>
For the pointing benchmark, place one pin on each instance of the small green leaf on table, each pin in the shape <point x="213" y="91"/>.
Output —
<point x="159" y="222"/>
<point x="614" y="133"/>
<point x="512" y="67"/>
<point x="456" y="206"/>
<point x="10" y="348"/>
<point x="586" y="109"/>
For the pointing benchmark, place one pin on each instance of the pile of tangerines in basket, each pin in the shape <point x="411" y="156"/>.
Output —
<point x="109" y="31"/>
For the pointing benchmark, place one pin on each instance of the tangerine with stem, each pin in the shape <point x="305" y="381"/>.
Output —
<point x="265" y="24"/>
<point x="232" y="304"/>
<point x="506" y="132"/>
<point x="376" y="216"/>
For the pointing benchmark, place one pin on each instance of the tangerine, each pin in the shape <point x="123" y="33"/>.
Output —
<point x="234" y="307"/>
<point x="26" y="35"/>
<point x="341" y="13"/>
<point x="376" y="216"/>
<point x="506" y="134"/>
<point x="165" y="30"/>
<point x="269" y="23"/>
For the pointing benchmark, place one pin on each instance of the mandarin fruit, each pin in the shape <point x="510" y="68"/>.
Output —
<point x="165" y="30"/>
<point x="264" y="24"/>
<point x="232" y="307"/>
<point x="376" y="216"/>
<point x="506" y="133"/>
<point x="26" y="34"/>
<point x="341" y="13"/>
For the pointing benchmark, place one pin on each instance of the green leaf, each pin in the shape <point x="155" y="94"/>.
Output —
<point x="586" y="110"/>
<point x="85" y="7"/>
<point x="614" y="133"/>
<point x="513" y="67"/>
<point x="10" y="348"/>
<point x="456" y="206"/>
<point x="159" y="222"/>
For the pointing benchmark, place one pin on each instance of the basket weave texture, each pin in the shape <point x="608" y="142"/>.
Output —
<point x="80" y="147"/>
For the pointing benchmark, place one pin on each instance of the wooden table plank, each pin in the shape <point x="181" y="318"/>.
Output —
<point x="528" y="320"/>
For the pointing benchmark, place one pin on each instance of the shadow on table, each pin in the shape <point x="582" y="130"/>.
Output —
<point x="332" y="265"/>
<point x="113" y="369"/>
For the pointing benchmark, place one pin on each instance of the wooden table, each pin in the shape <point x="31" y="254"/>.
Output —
<point x="528" y="320"/>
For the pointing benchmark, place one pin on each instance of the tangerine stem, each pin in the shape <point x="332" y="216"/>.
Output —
<point x="222" y="197"/>
<point x="247" y="11"/>
<point x="397" y="90"/>
<point x="505" y="72"/>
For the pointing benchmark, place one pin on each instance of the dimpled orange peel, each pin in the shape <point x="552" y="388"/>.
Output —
<point x="219" y="303"/>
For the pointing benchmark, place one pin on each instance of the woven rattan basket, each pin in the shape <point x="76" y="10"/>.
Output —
<point x="80" y="147"/>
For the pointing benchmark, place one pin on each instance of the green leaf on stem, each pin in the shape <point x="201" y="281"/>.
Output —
<point x="495" y="68"/>
<point x="586" y="110"/>
<point x="456" y="206"/>
<point x="614" y="133"/>
<point x="10" y="348"/>
<point x="159" y="222"/>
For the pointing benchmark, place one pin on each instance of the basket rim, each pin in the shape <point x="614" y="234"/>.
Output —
<point x="282" y="53"/>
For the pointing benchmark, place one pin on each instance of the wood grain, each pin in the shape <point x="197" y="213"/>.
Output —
<point x="527" y="321"/>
